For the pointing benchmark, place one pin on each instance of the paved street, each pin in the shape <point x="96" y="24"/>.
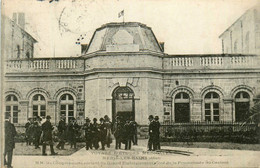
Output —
<point x="140" y="157"/>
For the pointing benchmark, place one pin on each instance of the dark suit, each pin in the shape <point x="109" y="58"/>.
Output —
<point x="95" y="134"/>
<point x="118" y="133"/>
<point x="10" y="133"/>
<point x="37" y="134"/>
<point x="103" y="134"/>
<point x="134" y="132"/>
<point x="157" y="126"/>
<point x="152" y="134"/>
<point x="128" y="135"/>
<point x="47" y="136"/>
<point x="72" y="132"/>
<point x="62" y="130"/>
<point x="88" y="135"/>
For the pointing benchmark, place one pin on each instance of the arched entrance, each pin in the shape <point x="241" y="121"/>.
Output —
<point x="123" y="103"/>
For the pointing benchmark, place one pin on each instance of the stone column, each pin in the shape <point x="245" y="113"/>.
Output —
<point x="23" y="113"/>
<point x="52" y="111"/>
<point x="80" y="112"/>
<point x="228" y="112"/>
<point x="196" y="110"/>
<point x="167" y="108"/>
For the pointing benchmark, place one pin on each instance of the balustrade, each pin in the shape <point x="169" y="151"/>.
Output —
<point x="66" y="64"/>
<point x="210" y="61"/>
<point x="40" y="64"/>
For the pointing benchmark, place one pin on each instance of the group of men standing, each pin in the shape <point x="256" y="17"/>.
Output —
<point x="124" y="132"/>
<point x="154" y="133"/>
<point x="38" y="131"/>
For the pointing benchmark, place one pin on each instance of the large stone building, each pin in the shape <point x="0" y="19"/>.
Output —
<point x="124" y="71"/>
<point x="243" y="36"/>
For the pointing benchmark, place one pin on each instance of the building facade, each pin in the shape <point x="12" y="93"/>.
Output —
<point x="125" y="72"/>
<point x="243" y="36"/>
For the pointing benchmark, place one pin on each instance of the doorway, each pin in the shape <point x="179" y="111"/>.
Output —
<point x="123" y="104"/>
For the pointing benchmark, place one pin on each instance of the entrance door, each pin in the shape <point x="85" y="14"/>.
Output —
<point x="182" y="108"/>
<point x="123" y="103"/>
<point x="242" y="105"/>
<point x="182" y="112"/>
<point x="242" y="108"/>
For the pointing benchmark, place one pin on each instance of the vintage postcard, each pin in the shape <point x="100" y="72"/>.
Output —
<point x="141" y="83"/>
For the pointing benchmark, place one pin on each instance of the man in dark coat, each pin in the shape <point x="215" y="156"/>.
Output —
<point x="128" y="135"/>
<point x="102" y="133"/>
<point x="87" y="127"/>
<point x="47" y="136"/>
<point x="95" y="134"/>
<point x="151" y="140"/>
<point x="157" y="126"/>
<point x="61" y="133"/>
<point x="134" y="131"/>
<point x="10" y="133"/>
<point x="108" y="124"/>
<point x="118" y="132"/>
<point x="29" y="131"/>
<point x="72" y="132"/>
<point x="37" y="132"/>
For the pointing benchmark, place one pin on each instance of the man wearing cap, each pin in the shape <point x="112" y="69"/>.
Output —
<point x="95" y="134"/>
<point x="108" y="124"/>
<point x="88" y="133"/>
<point x="37" y="132"/>
<point x="134" y="125"/>
<point x="47" y="136"/>
<point x="10" y="133"/>
<point x="29" y="131"/>
<point x="157" y="126"/>
<point x="102" y="133"/>
<point x="128" y="135"/>
<point x="118" y="132"/>
<point x="72" y="132"/>
<point x="61" y="133"/>
<point x="151" y="140"/>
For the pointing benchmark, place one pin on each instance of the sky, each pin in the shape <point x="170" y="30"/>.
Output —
<point x="186" y="26"/>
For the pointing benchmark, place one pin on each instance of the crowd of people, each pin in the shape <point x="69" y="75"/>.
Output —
<point x="40" y="131"/>
<point x="97" y="134"/>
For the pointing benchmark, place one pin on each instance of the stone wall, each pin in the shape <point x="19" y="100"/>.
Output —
<point x="197" y="85"/>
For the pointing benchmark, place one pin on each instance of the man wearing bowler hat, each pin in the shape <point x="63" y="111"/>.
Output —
<point x="47" y="136"/>
<point x="88" y="133"/>
<point x="151" y="140"/>
<point x="9" y="143"/>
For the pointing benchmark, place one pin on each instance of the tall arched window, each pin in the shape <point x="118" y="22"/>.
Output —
<point x="67" y="107"/>
<point x="182" y="107"/>
<point x="242" y="101"/>
<point x="39" y="105"/>
<point x="11" y="108"/>
<point x="212" y="106"/>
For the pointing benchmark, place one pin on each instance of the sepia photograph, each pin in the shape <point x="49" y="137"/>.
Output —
<point x="130" y="84"/>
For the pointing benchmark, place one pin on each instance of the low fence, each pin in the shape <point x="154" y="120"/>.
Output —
<point x="210" y="132"/>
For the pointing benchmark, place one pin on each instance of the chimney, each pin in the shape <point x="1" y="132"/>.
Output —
<point x="84" y="48"/>
<point x="162" y="46"/>
<point x="19" y="18"/>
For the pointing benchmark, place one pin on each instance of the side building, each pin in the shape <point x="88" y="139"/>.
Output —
<point x="243" y="36"/>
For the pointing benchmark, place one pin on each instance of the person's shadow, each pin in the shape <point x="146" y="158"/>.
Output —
<point x="178" y="152"/>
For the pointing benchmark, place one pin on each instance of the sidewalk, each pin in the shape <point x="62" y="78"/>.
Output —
<point x="138" y="156"/>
